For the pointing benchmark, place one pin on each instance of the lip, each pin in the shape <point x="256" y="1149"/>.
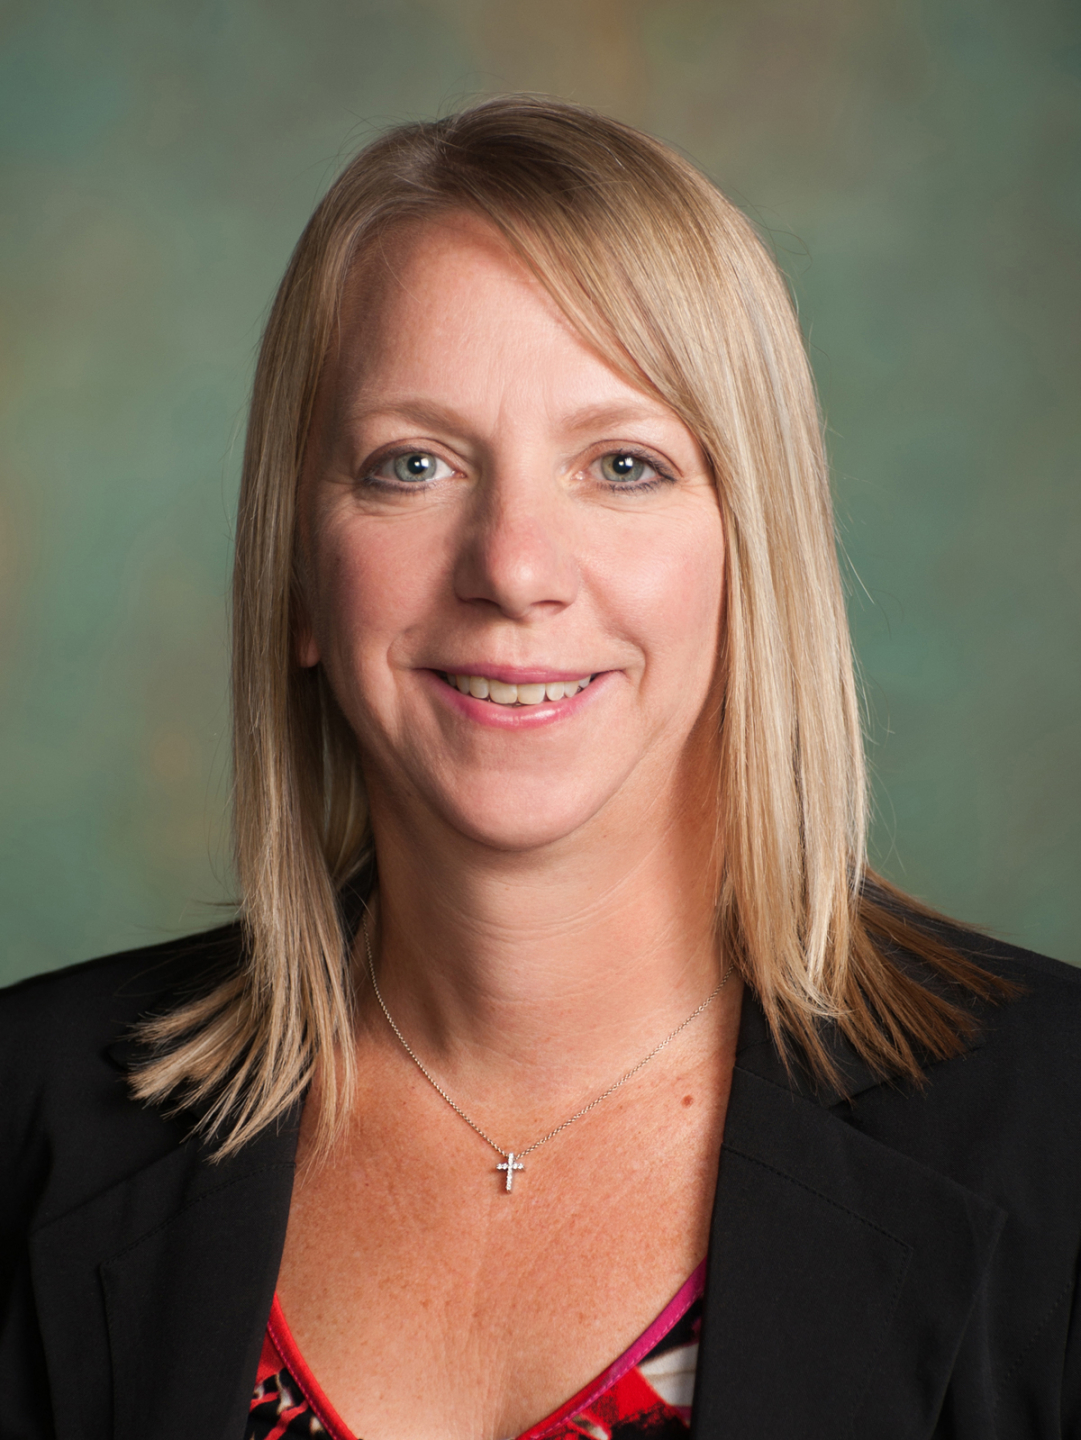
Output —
<point x="511" y="674"/>
<point x="516" y="717"/>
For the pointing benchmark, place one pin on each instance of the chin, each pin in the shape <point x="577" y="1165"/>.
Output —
<point x="521" y="820"/>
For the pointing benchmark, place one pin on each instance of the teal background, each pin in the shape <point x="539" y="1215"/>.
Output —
<point x="917" y="167"/>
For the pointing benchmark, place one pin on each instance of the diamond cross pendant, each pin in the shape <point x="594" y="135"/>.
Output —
<point x="510" y="1165"/>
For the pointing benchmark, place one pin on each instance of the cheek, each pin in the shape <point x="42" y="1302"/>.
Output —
<point x="670" y="584"/>
<point x="375" y="583"/>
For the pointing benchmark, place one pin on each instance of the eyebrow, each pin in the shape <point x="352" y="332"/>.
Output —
<point x="591" y="417"/>
<point x="594" y="417"/>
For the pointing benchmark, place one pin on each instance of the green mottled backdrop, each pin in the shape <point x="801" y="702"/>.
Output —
<point x="917" y="166"/>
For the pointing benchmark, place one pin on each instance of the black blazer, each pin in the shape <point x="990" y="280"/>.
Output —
<point x="894" y="1266"/>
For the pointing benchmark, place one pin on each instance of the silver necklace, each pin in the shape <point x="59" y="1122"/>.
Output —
<point x="512" y="1159"/>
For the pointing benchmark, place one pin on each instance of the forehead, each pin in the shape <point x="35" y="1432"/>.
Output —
<point x="421" y="258"/>
<point x="447" y="302"/>
<point x="441" y="283"/>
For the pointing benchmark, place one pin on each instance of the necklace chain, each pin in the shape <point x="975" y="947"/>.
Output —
<point x="512" y="1156"/>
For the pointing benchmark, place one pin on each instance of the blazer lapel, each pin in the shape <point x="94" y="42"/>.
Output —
<point x="156" y="1291"/>
<point x="841" y="1273"/>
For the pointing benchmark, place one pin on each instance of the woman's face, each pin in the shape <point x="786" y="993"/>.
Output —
<point x="491" y="514"/>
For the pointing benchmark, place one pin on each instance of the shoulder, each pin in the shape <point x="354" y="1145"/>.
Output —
<point x="62" y="1072"/>
<point x="53" y="1022"/>
<point x="1008" y="1109"/>
<point x="1018" y="1000"/>
<point x="1041" y="1021"/>
<point x="1013" y="962"/>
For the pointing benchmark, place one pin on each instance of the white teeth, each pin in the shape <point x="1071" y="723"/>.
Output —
<point x="528" y="694"/>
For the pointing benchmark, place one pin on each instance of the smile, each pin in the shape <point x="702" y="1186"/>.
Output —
<point x="500" y="693"/>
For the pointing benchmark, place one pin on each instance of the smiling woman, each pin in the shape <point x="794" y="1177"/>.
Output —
<point x="568" y="1072"/>
<point x="484" y="497"/>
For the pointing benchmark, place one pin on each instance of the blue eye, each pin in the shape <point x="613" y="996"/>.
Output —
<point x="622" y="468"/>
<point x="407" y="470"/>
<point x="417" y="465"/>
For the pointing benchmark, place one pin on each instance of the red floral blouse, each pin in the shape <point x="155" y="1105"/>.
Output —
<point x="647" y="1392"/>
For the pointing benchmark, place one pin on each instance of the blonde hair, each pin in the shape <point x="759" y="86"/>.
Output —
<point x="669" y="281"/>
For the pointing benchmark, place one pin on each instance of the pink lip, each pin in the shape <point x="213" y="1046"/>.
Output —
<point x="513" y="674"/>
<point x="514" y="717"/>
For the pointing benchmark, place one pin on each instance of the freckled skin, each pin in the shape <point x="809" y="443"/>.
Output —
<point x="545" y="907"/>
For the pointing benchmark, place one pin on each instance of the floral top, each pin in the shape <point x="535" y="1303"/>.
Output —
<point x="647" y="1392"/>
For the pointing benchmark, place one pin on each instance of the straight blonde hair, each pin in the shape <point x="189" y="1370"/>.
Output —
<point x="668" y="280"/>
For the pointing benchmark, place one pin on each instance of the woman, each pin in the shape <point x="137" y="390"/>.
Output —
<point x="550" y="835"/>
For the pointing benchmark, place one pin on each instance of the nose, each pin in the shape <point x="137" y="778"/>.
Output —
<point x="516" y="555"/>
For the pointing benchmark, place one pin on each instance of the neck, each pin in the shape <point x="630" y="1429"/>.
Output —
<point x="550" y="968"/>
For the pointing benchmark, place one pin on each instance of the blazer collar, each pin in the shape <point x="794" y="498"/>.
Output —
<point x="153" y="1295"/>
<point x="842" y="1272"/>
<point x="757" y="1053"/>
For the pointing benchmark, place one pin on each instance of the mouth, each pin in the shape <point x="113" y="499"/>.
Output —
<point x="499" y="692"/>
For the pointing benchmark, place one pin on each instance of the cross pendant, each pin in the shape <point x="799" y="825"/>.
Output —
<point x="510" y="1165"/>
